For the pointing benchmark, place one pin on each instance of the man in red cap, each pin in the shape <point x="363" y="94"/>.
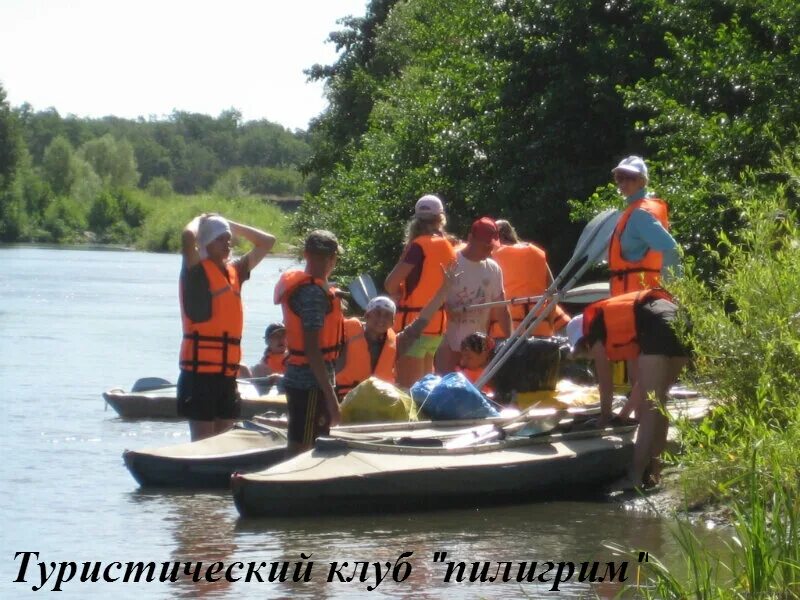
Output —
<point x="481" y="281"/>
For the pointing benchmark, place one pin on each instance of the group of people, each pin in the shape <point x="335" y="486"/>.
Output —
<point x="446" y="303"/>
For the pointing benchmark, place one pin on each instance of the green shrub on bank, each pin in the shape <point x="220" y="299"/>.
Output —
<point x="746" y="340"/>
<point x="161" y="228"/>
<point x="760" y="558"/>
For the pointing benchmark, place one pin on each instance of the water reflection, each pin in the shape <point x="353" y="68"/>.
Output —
<point x="202" y="530"/>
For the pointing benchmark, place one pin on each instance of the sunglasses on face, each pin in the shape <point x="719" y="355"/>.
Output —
<point x="620" y="177"/>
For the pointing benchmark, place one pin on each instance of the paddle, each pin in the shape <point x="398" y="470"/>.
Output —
<point x="362" y="288"/>
<point x="584" y="294"/>
<point x="591" y="246"/>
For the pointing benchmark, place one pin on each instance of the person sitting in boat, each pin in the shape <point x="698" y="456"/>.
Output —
<point x="477" y="349"/>
<point x="273" y="362"/>
<point x="415" y="278"/>
<point x="481" y="281"/>
<point x="525" y="274"/>
<point x="212" y="318"/>
<point x="312" y="314"/>
<point x="372" y="348"/>
<point x="637" y="325"/>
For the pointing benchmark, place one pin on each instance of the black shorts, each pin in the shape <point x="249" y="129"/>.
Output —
<point x="308" y="418"/>
<point x="208" y="396"/>
<point x="655" y="331"/>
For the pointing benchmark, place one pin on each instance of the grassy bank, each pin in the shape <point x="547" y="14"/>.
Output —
<point x="745" y="457"/>
<point x="135" y="218"/>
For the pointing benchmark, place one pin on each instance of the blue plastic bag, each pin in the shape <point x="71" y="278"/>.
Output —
<point x="450" y="397"/>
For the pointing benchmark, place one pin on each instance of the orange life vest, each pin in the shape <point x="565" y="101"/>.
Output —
<point x="357" y="366"/>
<point x="627" y="276"/>
<point x="332" y="332"/>
<point x="438" y="253"/>
<point x="214" y="346"/>
<point x="276" y="363"/>
<point x="473" y="375"/>
<point x="525" y="274"/>
<point x="620" y="321"/>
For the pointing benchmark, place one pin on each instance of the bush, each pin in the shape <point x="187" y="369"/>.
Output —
<point x="746" y="340"/>
<point x="65" y="220"/>
<point x="159" y="187"/>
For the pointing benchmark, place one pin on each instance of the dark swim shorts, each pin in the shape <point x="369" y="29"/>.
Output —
<point x="654" y="326"/>
<point x="208" y="396"/>
<point x="308" y="418"/>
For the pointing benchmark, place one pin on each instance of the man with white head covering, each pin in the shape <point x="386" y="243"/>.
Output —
<point x="212" y="317"/>
<point x="372" y="347"/>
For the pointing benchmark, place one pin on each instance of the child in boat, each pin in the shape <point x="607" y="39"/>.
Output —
<point x="273" y="362"/>
<point x="373" y="348"/>
<point x="477" y="349"/>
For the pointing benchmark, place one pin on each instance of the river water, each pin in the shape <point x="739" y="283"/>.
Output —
<point x="76" y="322"/>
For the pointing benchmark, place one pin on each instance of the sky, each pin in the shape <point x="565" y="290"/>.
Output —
<point x="132" y="58"/>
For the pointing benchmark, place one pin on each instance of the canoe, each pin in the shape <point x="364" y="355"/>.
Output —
<point x="256" y="445"/>
<point x="208" y="463"/>
<point x="161" y="402"/>
<point x="342" y="476"/>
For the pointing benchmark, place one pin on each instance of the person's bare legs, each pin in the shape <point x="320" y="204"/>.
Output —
<point x="409" y="370"/>
<point x="656" y="374"/>
<point x="674" y="367"/>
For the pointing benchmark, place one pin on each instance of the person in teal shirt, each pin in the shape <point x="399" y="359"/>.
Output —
<point x="644" y="231"/>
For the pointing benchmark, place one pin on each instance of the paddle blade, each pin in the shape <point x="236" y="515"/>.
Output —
<point x="359" y="293"/>
<point x="369" y="285"/>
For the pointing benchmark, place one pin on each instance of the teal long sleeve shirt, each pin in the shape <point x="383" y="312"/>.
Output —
<point x="643" y="232"/>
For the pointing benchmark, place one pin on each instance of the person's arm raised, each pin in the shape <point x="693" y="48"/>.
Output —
<point x="191" y="256"/>
<point x="261" y="240"/>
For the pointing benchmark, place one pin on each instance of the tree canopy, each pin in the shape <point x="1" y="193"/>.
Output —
<point x="513" y="108"/>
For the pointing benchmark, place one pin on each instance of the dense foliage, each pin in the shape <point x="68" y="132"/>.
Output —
<point x="514" y="107"/>
<point x="73" y="180"/>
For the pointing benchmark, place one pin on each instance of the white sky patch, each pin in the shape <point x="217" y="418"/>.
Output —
<point x="127" y="58"/>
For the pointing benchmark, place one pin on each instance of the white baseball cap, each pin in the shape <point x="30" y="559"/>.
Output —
<point x="428" y="206"/>
<point x="575" y="331"/>
<point x="382" y="302"/>
<point x="632" y="164"/>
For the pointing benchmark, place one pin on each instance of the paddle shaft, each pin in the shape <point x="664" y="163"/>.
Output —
<point x="577" y="295"/>
<point x="591" y="245"/>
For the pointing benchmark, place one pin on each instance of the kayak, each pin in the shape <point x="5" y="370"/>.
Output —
<point x="208" y="463"/>
<point x="347" y="475"/>
<point x="256" y="445"/>
<point x="160" y="402"/>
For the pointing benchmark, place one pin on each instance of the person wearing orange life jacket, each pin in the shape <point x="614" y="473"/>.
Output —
<point x="642" y="254"/>
<point x="525" y="274"/>
<point x="372" y="349"/>
<point x="635" y="325"/>
<point x="312" y="314"/>
<point x="415" y="279"/>
<point x="212" y="319"/>
<point x="273" y="362"/>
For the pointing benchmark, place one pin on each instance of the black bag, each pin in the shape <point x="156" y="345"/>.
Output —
<point x="534" y="366"/>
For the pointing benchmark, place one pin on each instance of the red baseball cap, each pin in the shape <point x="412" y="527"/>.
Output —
<point x="485" y="230"/>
